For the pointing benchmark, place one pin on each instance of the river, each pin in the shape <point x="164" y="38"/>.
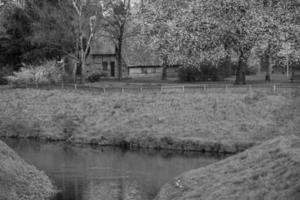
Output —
<point x="80" y="172"/>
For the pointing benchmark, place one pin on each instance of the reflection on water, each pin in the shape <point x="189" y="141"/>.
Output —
<point x="87" y="173"/>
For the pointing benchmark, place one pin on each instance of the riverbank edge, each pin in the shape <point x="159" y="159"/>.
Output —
<point x="153" y="143"/>
<point x="269" y="170"/>
<point x="21" y="180"/>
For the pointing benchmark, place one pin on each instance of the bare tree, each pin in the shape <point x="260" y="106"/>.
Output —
<point x="118" y="26"/>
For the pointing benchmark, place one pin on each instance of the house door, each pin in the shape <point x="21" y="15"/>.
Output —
<point x="112" y="69"/>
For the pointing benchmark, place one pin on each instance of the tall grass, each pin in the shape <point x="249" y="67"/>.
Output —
<point x="19" y="180"/>
<point x="80" y="116"/>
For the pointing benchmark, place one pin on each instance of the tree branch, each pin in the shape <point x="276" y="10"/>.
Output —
<point x="76" y="8"/>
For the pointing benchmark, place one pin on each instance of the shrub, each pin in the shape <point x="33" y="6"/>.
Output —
<point x="205" y="72"/>
<point x="96" y="76"/>
<point x="48" y="72"/>
<point x="251" y="71"/>
<point x="189" y="74"/>
<point x="4" y="72"/>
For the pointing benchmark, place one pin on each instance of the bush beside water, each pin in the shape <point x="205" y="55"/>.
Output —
<point x="21" y="181"/>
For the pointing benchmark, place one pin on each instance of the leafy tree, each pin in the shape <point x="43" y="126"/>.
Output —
<point x="118" y="25"/>
<point x="208" y="30"/>
<point x="67" y="27"/>
<point x="159" y="19"/>
<point x="15" y="28"/>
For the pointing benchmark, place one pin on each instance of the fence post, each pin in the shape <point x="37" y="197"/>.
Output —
<point x="226" y="88"/>
<point x="141" y="89"/>
<point x="123" y="90"/>
<point x="274" y="89"/>
<point x="104" y="90"/>
<point x="75" y="86"/>
<point x="183" y="89"/>
<point x="62" y="84"/>
<point x="204" y="87"/>
<point x="250" y="88"/>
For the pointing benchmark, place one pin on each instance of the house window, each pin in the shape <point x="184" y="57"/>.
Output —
<point x="105" y="66"/>
<point x="144" y="71"/>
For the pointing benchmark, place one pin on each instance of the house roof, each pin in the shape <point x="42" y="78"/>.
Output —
<point x="133" y="55"/>
<point x="102" y="44"/>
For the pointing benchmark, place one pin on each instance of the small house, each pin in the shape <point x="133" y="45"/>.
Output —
<point x="138" y="62"/>
<point x="144" y="63"/>
<point x="103" y="59"/>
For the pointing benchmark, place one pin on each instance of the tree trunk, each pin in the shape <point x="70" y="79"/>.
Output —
<point x="268" y="62"/>
<point x="164" y="68"/>
<point x="269" y="69"/>
<point x="119" y="62"/>
<point x="82" y="61"/>
<point x="241" y="70"/>
<point x="75" y="71"/>
<point x="83" y="69"/>
<point x="119" y="54"/>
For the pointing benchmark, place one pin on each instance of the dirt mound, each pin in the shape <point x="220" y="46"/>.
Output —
<point x="268" y="171"/>
<point x="19" y="180"/>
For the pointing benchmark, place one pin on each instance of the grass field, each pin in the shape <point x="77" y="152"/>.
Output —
<point x="148" y="120"/>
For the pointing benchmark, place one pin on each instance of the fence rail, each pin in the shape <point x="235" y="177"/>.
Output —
<point x="180" y="88"/>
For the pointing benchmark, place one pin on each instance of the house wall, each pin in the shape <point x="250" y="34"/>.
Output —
<point x="148" y="72"/>
<point x="172" y="72"/>
<point x="152" y="72"/>
<point x="95" y="64"/>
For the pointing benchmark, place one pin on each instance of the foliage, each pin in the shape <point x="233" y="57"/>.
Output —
<point x="67" y="27"/>
<point x="4" y="72"/>
<point x="53" y="27"/>
<point x="191" y="32"/>
<point x="96" y="76"/>
<point x="206" y="71"/>
<point x="48" y="72"/>
<point x="190" y="74"/>
<point x="47" y="29"/>
<point x="13" y="37"/>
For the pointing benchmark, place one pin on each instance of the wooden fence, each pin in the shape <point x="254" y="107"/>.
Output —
<point x="178" y="88"/>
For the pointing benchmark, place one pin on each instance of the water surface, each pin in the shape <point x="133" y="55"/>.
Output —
<point x="79" y="170"/>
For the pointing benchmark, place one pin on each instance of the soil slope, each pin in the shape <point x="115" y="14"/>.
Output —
<point x="270" y="171"/>
<point x="19" y="180"/>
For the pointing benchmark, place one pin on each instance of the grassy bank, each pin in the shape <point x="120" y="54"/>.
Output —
<point x="20" y="181"/>
<point x="267" y="171"/>
<point x="202" y="122"/>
